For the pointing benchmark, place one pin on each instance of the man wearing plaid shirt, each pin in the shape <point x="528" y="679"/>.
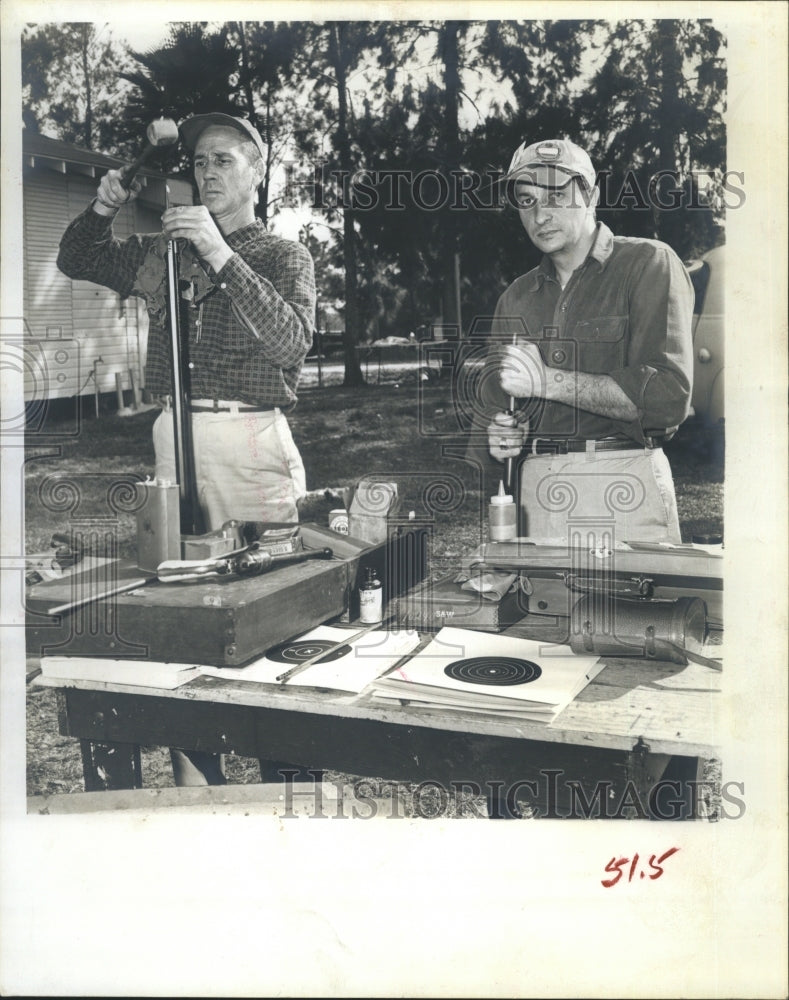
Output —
<point x="250" y="323"/>
<point x="250" y="318"/>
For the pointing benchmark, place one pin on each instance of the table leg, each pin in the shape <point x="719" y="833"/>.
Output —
<point x="686" y="774"/>
<point x="278" y="771"/>
<point x="637" y="784"/>
<point x="110" y="766"/>
<point x="671" y="785"/>
<point x="643" y="770"/>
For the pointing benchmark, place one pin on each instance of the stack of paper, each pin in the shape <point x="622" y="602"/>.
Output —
<point x="490" y="674"/>
<point x="140" y="673"/>
<point x="350" y="668"/>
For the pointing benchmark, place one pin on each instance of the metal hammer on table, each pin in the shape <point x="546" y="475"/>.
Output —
<point x="252" y="561"/>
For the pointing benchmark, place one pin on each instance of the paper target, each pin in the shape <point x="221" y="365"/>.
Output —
<point x="299" y="651"/>
<point x="498" y="671"/>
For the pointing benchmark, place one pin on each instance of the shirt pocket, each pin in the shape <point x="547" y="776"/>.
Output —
<point x="602" y="343"/>
<point x="224" y="332"/>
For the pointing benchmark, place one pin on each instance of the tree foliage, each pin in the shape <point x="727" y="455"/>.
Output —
<point x="269" y="62"/>
<point x="463" y="97"/>
<point x="193" y="72"/>
<point x="402" y="129"/>
<point x="70" y="82"/>
<point x="653" y="115"/>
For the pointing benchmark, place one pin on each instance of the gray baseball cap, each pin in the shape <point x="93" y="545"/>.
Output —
<point x="192" y="128"/>
<point x="557" y="160"/>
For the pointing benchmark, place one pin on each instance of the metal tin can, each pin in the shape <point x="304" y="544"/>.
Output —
<point x="338" y="520"/>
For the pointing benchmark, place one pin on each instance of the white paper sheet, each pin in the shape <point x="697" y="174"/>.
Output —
<point x="561" y="673"/>
<point x="367" y="658"/>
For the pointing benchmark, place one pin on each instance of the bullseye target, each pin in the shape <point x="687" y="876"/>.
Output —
<point x="299" y="651"/>
<point x="497" y="671"/>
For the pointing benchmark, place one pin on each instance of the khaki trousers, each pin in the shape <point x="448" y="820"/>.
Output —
<point x="602" y="497"/>
<point x="247" y="465"/>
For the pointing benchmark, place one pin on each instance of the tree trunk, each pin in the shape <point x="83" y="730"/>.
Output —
<point x="670" y="88"/>
<point x="88" y="99"/>
<point x="350" y="337"/>
<point x="450" y="266"/>
<point x="245" y="80"/>
<point x="261" y="209"/>
<point x="265" y="188"/>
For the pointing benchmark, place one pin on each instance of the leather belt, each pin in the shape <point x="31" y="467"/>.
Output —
<point x="228" y="406"/>
<point x="563" y="446"/>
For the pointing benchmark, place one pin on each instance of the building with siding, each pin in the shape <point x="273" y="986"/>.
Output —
<point x="77" y="335"/>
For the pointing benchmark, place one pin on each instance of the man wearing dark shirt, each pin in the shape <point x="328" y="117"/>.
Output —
<point x="595" y="346"/>
<point x="250" y="320"/>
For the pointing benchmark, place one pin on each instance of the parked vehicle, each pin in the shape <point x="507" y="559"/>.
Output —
<point x="707" y="275"/>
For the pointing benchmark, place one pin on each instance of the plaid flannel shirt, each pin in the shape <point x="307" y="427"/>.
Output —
<point x="250" y="325"/>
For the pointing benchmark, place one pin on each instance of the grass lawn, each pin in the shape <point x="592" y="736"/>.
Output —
<point x="390" y="429"/>
<point x="397" y="430"/>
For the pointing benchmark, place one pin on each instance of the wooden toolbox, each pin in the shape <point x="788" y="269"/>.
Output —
<point x="400" y="563"/>
<point x="216" y="621"/>
<point x="443" y="602"/>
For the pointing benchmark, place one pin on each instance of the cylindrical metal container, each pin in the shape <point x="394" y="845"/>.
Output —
<point x="648" y="629"/>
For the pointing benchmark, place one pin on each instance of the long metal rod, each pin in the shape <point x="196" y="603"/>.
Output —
<point x="284" y="678"/>
<point x="508" y="462"/>
<point x="122" y="588"/>
<point x="184" y="457"/>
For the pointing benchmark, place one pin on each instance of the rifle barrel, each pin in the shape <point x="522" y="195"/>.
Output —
<point x="182" y="427"/>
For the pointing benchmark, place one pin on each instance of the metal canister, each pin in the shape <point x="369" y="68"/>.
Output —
<point x="338" y="520"/>
<point x="648" y="629"/>
<point x="158" y="524"/>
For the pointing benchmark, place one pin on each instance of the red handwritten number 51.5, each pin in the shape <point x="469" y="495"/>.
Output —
<point x="617" y="864"/>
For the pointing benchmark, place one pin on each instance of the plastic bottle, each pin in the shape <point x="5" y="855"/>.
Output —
<point x="371" y="608"/>
<point x="502" y="517"/>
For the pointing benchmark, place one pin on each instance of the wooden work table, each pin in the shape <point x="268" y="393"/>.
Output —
<point x="637" y="726"/>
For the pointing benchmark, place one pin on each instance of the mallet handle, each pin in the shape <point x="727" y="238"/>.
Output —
<point x="130" y="172"/>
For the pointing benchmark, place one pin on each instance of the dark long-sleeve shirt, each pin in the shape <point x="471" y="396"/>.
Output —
<point x="250" y="324"/>
<point x="625" y="312"/>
